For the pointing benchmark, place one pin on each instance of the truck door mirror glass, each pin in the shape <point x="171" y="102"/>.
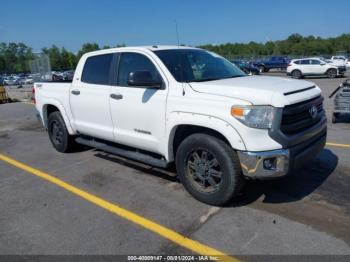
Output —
<point x="143" y="78"/>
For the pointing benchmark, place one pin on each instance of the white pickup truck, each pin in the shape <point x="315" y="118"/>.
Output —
<point x="165" y="104"/>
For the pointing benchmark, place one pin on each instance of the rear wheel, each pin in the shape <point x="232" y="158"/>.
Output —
<point x="209" y="169"/>
<point x="332" y="73"/>
<point x="334" y="117"/>
<point x="261" y="68"/>
<point x="296" y="74"/>
<point x="58" y="133"/>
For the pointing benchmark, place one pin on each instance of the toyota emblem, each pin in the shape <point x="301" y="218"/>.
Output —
<point x="313" y="111"/>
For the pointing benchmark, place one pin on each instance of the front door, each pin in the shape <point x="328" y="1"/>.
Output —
<point x="138" y="113"/>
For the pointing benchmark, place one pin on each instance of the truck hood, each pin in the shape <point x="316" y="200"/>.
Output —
<point x="259" y="90"/>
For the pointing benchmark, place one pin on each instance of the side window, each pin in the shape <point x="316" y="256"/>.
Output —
<point x="297" y="62"/>
<point x="97" y="69"/>
<point x="315" y="62"/>
<point x="130" y="62"/>
<point x="305" y="62"/>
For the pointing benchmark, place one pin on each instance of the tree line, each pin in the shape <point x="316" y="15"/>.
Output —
<point x="15" y="57"/>
<point x="294" y="45"/>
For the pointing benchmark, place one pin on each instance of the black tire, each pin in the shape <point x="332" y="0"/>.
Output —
<point x="261" y="69"/>
<point x="58" y="133"/>
<point x="227" y="170"/>
<point x="296" y="74"/>
<point x="255" y="72"/>
<point x="331" y="73"/>
<point x="335" y="118"/>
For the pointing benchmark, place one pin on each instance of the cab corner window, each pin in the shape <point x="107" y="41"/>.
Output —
<point x="305" y="62"/>
<point x="97" y="69"/>
<point x="132" y="62"/>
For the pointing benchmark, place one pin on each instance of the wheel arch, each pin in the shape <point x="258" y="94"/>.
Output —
<point x="48" y="108"/>
<point x="216" y="127"/>
<point x="296" y="69"/>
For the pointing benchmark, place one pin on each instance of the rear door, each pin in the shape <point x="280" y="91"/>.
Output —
<point x="138" y="113"/>
<point x="305" y="66"/>
<point x="89" y="97"/>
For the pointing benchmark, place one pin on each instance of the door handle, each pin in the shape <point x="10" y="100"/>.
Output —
<point x="75" y="92"/>
<point x="116" y="96"/>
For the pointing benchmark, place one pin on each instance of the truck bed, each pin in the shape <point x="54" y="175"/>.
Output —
<point x="55" y="93"/>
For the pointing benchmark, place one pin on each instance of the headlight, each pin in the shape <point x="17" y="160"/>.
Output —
<point x="254" y="116"/>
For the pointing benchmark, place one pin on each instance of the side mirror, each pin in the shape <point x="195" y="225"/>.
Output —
<point x="322" y="64"/>
<point x="143" y="79"/>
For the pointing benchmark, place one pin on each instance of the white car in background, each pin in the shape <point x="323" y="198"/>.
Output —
<point x="299" y="68"/>
<point x="341" y="60"/>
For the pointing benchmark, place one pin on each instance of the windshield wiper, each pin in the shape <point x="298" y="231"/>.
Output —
<point x="216" y="78"/>
<point x="207" y="79"/>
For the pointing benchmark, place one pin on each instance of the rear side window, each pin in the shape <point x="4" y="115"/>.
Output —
<point x="305" y="62"/>
<point x="130" y="62"/>
<point x="297" y="62"/>
<point x="97" y="69"/>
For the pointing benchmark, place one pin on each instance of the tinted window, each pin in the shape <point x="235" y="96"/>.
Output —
<point x="195" y="65"/>
<point x="97" y="69"/>
<point x="297" y="62"/>
<point x="315" y="62"/>
<point x="130" y="62"/>
<point x="305" y="62"/>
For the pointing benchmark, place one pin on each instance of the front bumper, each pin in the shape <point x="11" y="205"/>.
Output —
<point x="341" y="70"/>
<point x="278" y="163"/>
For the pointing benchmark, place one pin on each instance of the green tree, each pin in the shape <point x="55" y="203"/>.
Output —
<point x="87" y="47"/>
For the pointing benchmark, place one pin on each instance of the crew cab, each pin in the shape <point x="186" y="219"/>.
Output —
<point x="274" y="62"/>
<point x="167" y="104"/>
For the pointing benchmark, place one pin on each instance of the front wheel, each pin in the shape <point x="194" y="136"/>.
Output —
<point x="332" y="73"/>
<point x="209" y="169"/>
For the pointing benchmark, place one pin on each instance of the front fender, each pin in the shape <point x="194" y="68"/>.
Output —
<point x="176" y="119"/>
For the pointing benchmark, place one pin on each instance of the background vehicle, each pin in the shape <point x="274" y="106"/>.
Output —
<point x="341" y="100"/>
<point x="26" y="80"/>
<point x="247" y="67"/>
<point x="160" y="105"/>
<point x="11" y="80"/>
<point x="342" y="60"/>
<point x="275" y="62"/>
<point x="298" y="68"/>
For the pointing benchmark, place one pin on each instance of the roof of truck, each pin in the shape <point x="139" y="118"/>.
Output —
<point x="156" y="47"/>
<point x="151" y="47"/>
<point x="130" y="48"/>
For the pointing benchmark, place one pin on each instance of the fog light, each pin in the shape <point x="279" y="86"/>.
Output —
<point x="270" y="163"/>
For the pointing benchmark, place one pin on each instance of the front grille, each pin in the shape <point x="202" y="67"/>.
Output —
<point x="297" y="117"/>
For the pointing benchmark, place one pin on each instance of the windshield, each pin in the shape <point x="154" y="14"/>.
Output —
<point x="195" y="65"/>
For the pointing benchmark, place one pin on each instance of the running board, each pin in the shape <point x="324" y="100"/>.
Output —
<point x="134" y="155"/>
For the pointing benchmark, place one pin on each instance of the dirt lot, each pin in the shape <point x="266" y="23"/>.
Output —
<point x="307" y="213"/>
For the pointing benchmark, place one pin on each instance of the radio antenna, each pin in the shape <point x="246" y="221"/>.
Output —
<point x="177" y="33"/>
